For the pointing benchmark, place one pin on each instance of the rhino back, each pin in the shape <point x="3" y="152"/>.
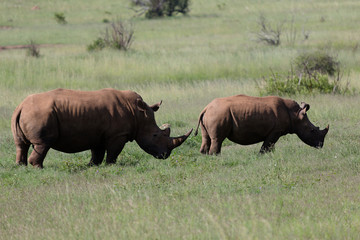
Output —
<point x="73" y="121"/>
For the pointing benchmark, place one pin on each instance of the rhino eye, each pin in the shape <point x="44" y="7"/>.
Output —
<point x="313" y="130"/>
<point x="155" y="135"/>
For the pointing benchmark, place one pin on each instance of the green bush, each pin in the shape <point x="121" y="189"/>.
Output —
<point x="118" y="35"/>
<point x="176" y="6"/>
<point x="161" y="8"/>
<point x="98" y="44"/>
<point x="318" y="61"/>
<point x="60" y="18"/>
<point x="316" y="72"/>
<point x="318" y="83"/>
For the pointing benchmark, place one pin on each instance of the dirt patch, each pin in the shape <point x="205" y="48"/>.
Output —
<point x="13" y="47"/>
<point x="6" y="27"/>
<point x="10" y="47"/>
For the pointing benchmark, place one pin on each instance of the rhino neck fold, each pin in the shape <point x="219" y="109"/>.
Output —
<point x="135" y="129"/>
<point x="291" y="127"/>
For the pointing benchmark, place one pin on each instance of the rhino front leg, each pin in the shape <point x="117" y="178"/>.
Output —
<point x="97" y="156"/>
<point x="269" y="143"/>
<point x="38" y="154"/>
<point x="114" y="148"/>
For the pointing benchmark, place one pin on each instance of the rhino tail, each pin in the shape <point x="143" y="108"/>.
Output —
<point x="199" y="121"/>
<point x="16" y="129"/>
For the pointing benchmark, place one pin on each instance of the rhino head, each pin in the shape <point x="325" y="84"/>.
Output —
<point x="306" y="131"/>
<point x="150" y="137"/>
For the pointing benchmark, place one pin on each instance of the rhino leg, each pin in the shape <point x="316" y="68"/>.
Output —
<point x="21" y="153"/>
<point x="269" y="143"/>
<point x="38" y="154"/>
<point x="97" y="156"/>
<point x="205" y="145"/>
<point x="114" y="148"/>
<point x="215" y="147"/>
<point x="206" y="141"/>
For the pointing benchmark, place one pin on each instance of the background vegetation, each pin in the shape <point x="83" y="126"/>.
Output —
<point x="213" y="51"/>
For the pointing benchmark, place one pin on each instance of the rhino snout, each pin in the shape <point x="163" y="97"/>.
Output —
<point x="324" y="132"/>
<point x="164" y="155"/>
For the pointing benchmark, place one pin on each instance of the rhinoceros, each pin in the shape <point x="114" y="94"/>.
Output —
<point x="73" y="121"/>
<point x="247" y="120"/>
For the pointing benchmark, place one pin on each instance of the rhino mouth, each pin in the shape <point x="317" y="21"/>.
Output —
<point x="320" y="145"/>
<point x="163" y="155"/>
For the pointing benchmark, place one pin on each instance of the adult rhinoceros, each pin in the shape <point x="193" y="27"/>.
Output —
<point x="102" y="121"/>
<point x="247" y="120"/>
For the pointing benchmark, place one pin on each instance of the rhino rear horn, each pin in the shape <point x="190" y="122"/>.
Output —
<point x="165" y="128"/>
<point x="177" y="141"/>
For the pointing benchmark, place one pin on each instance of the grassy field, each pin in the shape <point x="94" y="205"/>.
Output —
<point x="296" y="192"/>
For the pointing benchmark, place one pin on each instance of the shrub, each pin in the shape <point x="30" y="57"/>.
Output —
<point x="177" y="6"/>
<point x="160" y="8"/>
<point x="60" y="18"/>
<point x="271" y="35"/>
<point x="267" y="33"/>
<point x="315" y="73"/>
<point x="33" y="50"/>
<point x="118" y="35"/>
<point x="153" y="8"/>
<point x="98" y="44"/>
<point x="316" y="62"/>
<point x="293" y="84"/>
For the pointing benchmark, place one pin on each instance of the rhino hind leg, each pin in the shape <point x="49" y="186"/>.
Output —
<point x="206" y="142"/>
<point x="215" y="147"/>
<point x="21" y="153"/>
<point x="205" y="145"/>
<point x="37" y="156"/>
<point x="97" y="156"/>
<point x="211" y="140"/>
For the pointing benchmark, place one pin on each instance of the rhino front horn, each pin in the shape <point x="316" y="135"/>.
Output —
<point x="177" y="141"/>
<point x="326" y="129"/>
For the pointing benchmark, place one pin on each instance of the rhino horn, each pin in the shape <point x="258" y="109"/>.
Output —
<point x="177" y="141"/>
<point x="325" y="131"/>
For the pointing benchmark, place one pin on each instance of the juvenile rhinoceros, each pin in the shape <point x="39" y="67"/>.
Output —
<point x="247" y="120"/>
<point x="102" y="121"/>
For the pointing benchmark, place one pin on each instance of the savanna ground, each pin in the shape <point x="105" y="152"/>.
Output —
<point x="296" y="192"/>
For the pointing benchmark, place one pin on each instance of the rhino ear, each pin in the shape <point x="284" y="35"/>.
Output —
<point x="302" y="113"/>
<point x="305" y="105"/>
<point x="141" y="105"/>
<point x="156" y="106"/>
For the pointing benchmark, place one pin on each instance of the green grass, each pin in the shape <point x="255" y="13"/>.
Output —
<point x="297" y="192"/>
